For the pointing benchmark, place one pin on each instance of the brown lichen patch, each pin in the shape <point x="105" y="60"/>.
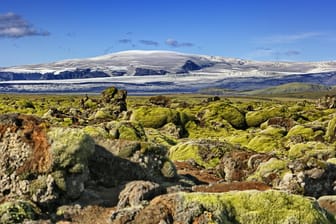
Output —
<point x="32" y="131"/>
<point x="160" y="210"/>
<point x="234" y="186"/>
<point x="90" y="214"/>
<point x="202" y="174"/>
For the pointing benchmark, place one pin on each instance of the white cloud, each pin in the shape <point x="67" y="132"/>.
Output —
<point x="290" y="38"/>
<point x="14" y="26"/>
<point x="175" y="43"/>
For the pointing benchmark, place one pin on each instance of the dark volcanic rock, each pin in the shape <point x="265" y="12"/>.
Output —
<point x="190" y="66"/>
<point x="147" y="71"/>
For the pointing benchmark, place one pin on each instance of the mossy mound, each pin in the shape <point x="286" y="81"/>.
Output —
<point x="70" y="148"/>
<point x="17" y="211"/>
<point x="206" y="153"/>
<point x="212" y="130"/>
<point x="155" y="117"/>
<point x="252" y="207"/>
<point x="224" y="111"/>
<point x="239" y="137"/>
<point x="314" y="149"/>
<point x="258" y="207"/>
<point x="331" y="130"/>
<point x="255" y="118"/>
<point x="268" y="140"/>
<point x="270" y="171"/>
<point x="304" y="132"/>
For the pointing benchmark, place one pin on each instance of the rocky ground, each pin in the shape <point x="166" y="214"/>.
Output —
<point x="113" y="159"/>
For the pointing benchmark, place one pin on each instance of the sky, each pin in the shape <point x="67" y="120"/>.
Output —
<point x="40" y="31"/>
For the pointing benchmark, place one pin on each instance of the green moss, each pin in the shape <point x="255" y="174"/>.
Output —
<point x="17" y="211"/>
<point x="204" y="152"/>
<point x="265" y="143"/>
<point x="332" y="161"/>
<point x="256" y="118"/>
<point x="239" y="137"/>
<point x="59" y="177"/>
<point x="96" y="131"/>
<point x="220" y="111"/>
<point x="70" y="148"/>
<point x="155" y="117"/>
<point x="318" y="150"/>
<point x="266" y="168"/>
<point x="209" y="130"/>
<point x="155" y="136"/>
<point x="102" y="114"/>
<point x="131" y="131"/>
<point x="254" y="207"/>
<point x="168" y="169"/>
<point x="90" y="104"/>
<point x="38" y="184"/>
<point x="299" y="130"/>
<point x="331" y="134"/>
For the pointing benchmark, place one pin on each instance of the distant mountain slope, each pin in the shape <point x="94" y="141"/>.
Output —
<point x="295" y="87"/>
<point x="161" y="71"/>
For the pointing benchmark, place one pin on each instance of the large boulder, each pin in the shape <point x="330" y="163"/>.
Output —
<point x="257" y="117"/>
<point x="253" y="207"/>
<point x="206" y="153"/>
<point x="46" y="165"/>
<point x="155" y="117"/>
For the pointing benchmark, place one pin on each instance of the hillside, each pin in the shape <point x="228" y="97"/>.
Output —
<point x="161" y="71"/>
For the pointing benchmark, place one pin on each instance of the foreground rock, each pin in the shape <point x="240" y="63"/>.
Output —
<point x="253" y="207"/>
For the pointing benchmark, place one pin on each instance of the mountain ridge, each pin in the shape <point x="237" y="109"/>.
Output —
<point x="158" y="71"/>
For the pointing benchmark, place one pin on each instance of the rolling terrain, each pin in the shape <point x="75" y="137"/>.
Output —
<point x="161" y="72"/>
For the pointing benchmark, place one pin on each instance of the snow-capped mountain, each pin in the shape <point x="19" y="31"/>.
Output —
<point x="160" y="71"/>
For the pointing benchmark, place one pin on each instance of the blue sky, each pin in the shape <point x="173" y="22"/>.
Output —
<point x="44" y="31"/>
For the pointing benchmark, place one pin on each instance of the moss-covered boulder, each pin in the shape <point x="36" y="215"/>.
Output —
<point x="314" y="149"/>
<point x="270" y="172"/>
<point x="331" y="130"/>
<point x="18" y="211"/>
<point x="224" y="111"/>
<point x="255" y="118"/>
<point x="303" y="132"/>
<point x="40" y="163"/>
<point x="204" y="152"/>
<point x="253" y="207"/>
<point x="268" y="140"/>
<point x="70" y="149"/>
<point x="155" y="117"/>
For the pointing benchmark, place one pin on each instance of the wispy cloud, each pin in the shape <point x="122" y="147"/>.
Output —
<point x="290" y="38"/>
<point x="292" y="53"/>
<point x="125" y="41"/>
<point x="175" y="43"/>
<point x="149" y="42"/>
<point x="269" y="53"/>
<point x="14" y="26"/>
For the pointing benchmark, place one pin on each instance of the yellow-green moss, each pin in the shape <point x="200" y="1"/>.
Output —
<point x="265" y="143"/>
<point x="96" y="131"/>
<point x="311" y="149"/>
<point x="271" y="166"/>
<point x="299" y="130"/>
<point x="220" y="111"/>
<point x="155" y="117"/>
<point x="255" y="207"/>
<point x="70" y="148"/>
<point x="239" y="137"/>
<point x="17" y="211"/>
<point x="255" y="118"/>
<point x="205" y="153"/>
<point x="330" y="134"/>
<point x="155" y="136"/>
<point x="208" y="130"/>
